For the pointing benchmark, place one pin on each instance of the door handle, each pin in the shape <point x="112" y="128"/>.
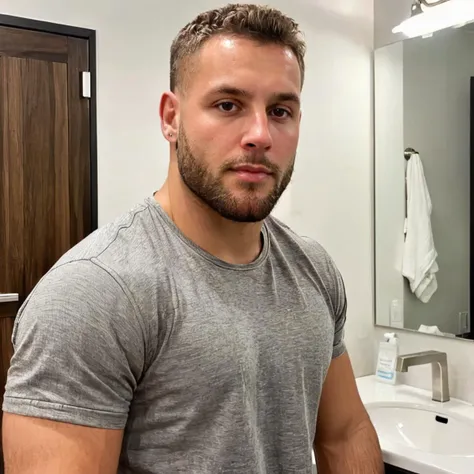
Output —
<point x="8" y="297"/>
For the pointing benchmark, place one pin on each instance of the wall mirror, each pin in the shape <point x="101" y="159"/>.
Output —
<point x="424" y="146"/>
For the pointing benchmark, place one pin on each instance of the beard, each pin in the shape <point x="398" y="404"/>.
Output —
<point x="210" y="189"/>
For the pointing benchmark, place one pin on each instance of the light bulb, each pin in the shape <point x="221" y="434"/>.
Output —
<point x="445" y="15"/>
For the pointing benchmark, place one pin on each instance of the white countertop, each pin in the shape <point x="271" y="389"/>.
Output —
<point x="372" y="391"/>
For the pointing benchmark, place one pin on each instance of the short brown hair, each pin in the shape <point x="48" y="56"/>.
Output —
<point x="257" y="22"/>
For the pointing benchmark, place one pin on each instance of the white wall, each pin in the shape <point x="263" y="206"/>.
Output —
<point x="330" y="198"/>
<point x="389" y="13"/>
<point x="460" y="353"/>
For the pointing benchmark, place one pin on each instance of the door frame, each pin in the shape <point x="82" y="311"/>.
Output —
<point x="90" y="35"/>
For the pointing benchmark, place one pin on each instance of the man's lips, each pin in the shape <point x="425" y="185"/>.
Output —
<point x="252" y="169"/>
<point x="252" y="173"/>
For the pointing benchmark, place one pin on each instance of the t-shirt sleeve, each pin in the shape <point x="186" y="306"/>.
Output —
<point x="334" y="291"/>
<point x="340" y="309"/>
<point x="78" y="349"/>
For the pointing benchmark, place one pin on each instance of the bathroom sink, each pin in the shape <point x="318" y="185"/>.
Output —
<point x="410" y="435"/>
<point x="423" y="429"/>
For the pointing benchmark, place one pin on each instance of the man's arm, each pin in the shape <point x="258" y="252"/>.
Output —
<point x="37" y="446"/>
<point x="346" y="441"/>
<point x="79" y="353"/>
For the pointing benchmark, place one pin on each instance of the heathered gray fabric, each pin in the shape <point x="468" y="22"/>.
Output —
<point x="210" y="367"/>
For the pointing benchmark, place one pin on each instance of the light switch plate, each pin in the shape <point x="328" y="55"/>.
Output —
<point x="464" y="322"/>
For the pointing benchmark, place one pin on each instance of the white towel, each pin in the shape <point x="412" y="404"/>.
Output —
<point x="430" y="330"/>
<point x="434" y="330"/>
<point x="419" y="252"/>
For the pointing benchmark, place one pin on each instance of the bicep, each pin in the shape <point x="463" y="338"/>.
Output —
<point x="340" y="409"/>
<point x="34" y="446"/>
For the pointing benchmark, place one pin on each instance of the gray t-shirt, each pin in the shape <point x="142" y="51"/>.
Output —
<point x="209" y="367"/>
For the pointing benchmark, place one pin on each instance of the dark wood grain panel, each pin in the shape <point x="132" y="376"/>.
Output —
<point x="45" y="117"/>
<point x="11" y="180"/>
<point x="9" y="310"/>
<point x="6" y="353"/>
<point x="62" y="218"/>
<point x="20" y="43"/>
<point x="6" y="348"/>
<point x="79" y="142"/>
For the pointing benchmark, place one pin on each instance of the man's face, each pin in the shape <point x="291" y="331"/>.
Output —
<point x="239" y="126"/>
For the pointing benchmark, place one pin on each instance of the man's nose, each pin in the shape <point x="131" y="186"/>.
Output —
<point x="258" y="134"/>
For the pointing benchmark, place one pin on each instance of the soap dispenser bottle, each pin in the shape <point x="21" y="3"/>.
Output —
<point x="387" y="359"/>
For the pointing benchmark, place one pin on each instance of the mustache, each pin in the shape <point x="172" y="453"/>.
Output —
<point x="260" y="160"/>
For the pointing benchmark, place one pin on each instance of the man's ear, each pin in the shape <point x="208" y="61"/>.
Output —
<point x="169" y="114"/>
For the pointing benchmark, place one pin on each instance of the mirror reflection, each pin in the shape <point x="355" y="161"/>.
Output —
<point x="424" y="128"/>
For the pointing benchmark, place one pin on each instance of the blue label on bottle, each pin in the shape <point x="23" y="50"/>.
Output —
<point x="385" y="375"/>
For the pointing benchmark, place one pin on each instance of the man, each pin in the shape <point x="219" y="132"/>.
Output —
<point x="197" y="334"/>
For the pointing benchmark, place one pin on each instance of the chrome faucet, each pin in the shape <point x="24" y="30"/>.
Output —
<point x="439" y="369"/>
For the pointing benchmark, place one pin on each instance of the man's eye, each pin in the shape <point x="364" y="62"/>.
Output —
<point x="280" y="113"/>
<point x="227" y="106"/>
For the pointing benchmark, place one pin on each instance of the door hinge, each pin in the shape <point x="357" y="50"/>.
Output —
<point x="86" y="84"/>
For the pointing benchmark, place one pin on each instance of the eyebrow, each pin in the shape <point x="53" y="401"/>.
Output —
<point x="237" y="92"/>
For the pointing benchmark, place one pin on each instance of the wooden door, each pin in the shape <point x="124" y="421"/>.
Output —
<point x="45" y="162"/>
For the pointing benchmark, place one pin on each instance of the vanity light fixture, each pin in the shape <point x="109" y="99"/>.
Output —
<point x="430" y="16"/>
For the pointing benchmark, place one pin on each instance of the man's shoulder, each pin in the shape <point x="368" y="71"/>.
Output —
<point x="121" y="252"/>
<point x="296" y="244"/>
<point x="115" y="236"/>
<point x="309" y="260"/>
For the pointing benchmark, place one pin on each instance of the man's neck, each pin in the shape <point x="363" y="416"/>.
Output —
<point x="231" y="242"/>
